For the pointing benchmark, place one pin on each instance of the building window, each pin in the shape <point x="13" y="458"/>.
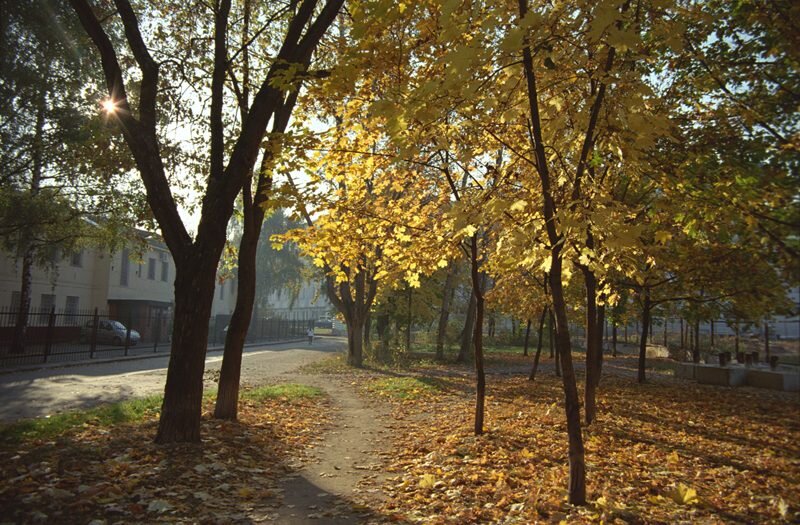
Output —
<point x="71" y="309"/>
<point x="151" y="268"/>
<point x="76" y="259"/>
<point x="46" y="304"/>
<point x="164" y="271"/>
<point x="124" y="267"/>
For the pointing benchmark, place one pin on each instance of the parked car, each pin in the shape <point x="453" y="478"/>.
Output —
<point x="109" y="332"/>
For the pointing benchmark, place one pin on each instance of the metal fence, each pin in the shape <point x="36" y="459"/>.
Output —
<point x="781" y="336"/>
<point x="61" y="336"/>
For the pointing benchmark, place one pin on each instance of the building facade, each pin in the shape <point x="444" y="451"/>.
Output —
<point x="134" y="286"/>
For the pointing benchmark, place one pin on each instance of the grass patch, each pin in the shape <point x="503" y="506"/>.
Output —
<point x="336" y="364"/>
<point x="404" y="387"/>
<point x="289" y="391"/>
<point x="102" y="416"/>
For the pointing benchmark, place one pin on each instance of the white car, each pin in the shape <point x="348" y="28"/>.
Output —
<point x="108" y="332"/>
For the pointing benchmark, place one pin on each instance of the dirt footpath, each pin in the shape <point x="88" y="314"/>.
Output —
<point x="345" y="471"/>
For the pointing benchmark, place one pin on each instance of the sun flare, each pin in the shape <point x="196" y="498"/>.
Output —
<point x="110" y="105"/>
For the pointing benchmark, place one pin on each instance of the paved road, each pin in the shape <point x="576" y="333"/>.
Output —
<point x="37" y="393"/>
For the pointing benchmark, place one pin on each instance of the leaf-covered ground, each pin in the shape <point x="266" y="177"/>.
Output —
<point x="101" y="474"/>
<point x="669" y="451"/>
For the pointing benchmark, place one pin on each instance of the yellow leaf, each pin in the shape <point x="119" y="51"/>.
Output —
<point x="545" y="266"/>
<point x="683" y="495"/>
<point x="662" y="237"/>
<point x="783" y="508"/>
<point x="427" y="481"/>
<point x="519" y="205"/>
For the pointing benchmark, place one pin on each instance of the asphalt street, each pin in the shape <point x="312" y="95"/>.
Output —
<point x="50" y="390"/>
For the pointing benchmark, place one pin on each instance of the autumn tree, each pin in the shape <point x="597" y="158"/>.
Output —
<point x="146" y="99"/>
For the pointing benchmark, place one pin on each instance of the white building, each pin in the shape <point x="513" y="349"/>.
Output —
<point x="309" y="304"/>
<point x="134" y="286"/>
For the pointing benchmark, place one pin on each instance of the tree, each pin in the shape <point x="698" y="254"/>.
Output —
<point x="51" y="178"/>
<point x="142" y="117"/>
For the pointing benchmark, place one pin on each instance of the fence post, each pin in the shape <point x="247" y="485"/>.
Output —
<point x="48" y="342"/>
<point x="157" y="331"/>
<point x="93" y="343"/>
<point x="128" y="336"/>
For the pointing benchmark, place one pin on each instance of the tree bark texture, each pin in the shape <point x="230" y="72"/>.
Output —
<point x="480" y="375"/>
<point x="577" y="465"/>
<point x="183" y="392"/>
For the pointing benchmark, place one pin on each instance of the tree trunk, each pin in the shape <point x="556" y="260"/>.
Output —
<point x="444" y="315"/>
<point x="696" y="342"/>
<point x="736" y="336"/>
<point x="183" y="392"/>
<point x="577" y="466"/>
<point x="21" y="325"/>
<point x="465" y="354"/>
<point x="477" y="290"/>
<point x="230" y="371"/>
<point x="643" y="338"/>
<point x="37" y="151"/>
<point x="532" y="375"/>
<point x="591" y="346"/>
<point x="527" y="338"/>
<point x="355" y="340"/>
<point x="551" y="334"/>
<point x="253" y="211"/>
<point x="766" y="340"/>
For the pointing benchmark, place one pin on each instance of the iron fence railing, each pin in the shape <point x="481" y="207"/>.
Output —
<point x="61" y="336"/>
